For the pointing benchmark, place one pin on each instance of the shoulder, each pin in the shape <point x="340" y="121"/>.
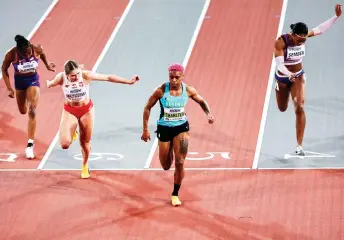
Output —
<point x="159" y="90"/>
<point x="279" y="42"/>
<point x="10" y="53"/>
<point x="60" y="75"/>
<point x="38" y="48"/>
<point x="190" y="90"/>
<point x="86" y="74"/>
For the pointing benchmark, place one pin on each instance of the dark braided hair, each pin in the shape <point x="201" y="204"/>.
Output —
<point x="22" y="43"/>
<point x="299" y="28"/>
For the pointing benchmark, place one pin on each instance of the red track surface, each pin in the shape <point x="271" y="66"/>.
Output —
<point x="230" y="67"/>
<point x="133" y="205"/>
<point x="72" y="33"/>
<point x="248" y="205"/>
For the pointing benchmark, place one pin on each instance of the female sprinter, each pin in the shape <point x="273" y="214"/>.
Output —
<point x="290" y="77"/>
<point x="24" y="58"/>
<point x="78" y="107"/>
<point x="173" y="127"/>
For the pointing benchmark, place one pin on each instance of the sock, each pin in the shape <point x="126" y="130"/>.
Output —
<point x="30" y="143"/>
<point x="176" y="189"/>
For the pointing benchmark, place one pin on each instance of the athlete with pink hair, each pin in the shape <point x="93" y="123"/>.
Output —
<point x="173" y="126"/>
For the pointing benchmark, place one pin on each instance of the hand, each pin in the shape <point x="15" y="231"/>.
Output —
<point x="134" y="79"/>
<point x="51" y="66"/>
<point x="11" y="93"/>
<point x="210" y="119"/>
<point x="48" y="83"/>
<point x="338" y="9"/>
<point x="145" y="135"/>
<point x="292" y="77"/>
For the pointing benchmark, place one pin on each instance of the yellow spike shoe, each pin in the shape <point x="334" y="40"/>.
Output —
<point x="85" y="172"/>
<point x="75" y="135"/>
<point x="175" y="201"/>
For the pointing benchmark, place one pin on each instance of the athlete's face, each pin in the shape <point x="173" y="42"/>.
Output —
<point x="26" y="51"/>
<point x="74" y="75"/>
<point x="299" y="39"/>
<point x="176" y="77"/>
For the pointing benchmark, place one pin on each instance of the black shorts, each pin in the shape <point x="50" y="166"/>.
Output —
<point x="166" y="134"/>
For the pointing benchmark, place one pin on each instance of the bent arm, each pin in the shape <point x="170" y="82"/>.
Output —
<point x="4" y="69"/>
<point x="157" y="94"/>
<point x="39" y="50"/>
<point x="199" y="99"/>
<point x="279" y="57"/>
<point x="105" y="77"/>
<point x="58" y="80"/>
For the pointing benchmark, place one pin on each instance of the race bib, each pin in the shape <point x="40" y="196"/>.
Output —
<point x="27" y="67"/>
<point x="174" y="114"/>
<point x="296" y="52"/>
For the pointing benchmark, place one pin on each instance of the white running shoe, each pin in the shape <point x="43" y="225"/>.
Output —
<point x="29" y="153"/>
<point x="299" y="151"/>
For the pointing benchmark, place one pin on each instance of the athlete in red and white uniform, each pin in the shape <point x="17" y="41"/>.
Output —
<point x="290" y="76"/>
<point x="78" y="107"/>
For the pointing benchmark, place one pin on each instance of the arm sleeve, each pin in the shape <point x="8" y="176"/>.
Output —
<point x="281" y="67"/>
<point x="321" y="28"/>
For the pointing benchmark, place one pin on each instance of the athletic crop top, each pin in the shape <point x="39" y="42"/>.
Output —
<point x="293" y="54"/>
<point x="172" y="111"/>
<point x="75" y="91"/>
<point x="23" y="65"/>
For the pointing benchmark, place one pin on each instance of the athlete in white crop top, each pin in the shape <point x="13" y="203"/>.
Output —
<point x="290" y="77"/>
<point x="78" y="107"/>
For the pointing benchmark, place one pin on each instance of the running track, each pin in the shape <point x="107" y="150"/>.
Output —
<point x="229" y="63"/>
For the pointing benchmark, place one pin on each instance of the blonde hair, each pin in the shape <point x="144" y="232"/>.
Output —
<point x="70" y="65"/>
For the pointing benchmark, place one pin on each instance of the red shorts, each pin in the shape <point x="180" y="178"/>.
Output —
<point x="78" y="112"/>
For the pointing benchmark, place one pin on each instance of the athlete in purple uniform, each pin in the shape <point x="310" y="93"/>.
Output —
<point x="290" y="76"/>
<point x="24" y="58"/>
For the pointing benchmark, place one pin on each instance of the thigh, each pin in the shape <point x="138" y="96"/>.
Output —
<point x="164" y="150"/>
<point x="86" y="124"/>
<point x="181" y="146"/>
<point x="68" y="126"/>
<point x="298" y="91"/>
<point x="282" y="94"/>
<point x="21" y="100"/>
<point x="32" y="95"/>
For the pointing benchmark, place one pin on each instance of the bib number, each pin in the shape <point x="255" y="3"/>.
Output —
<point x="27" y="67"/>
<point x="174" y="114"/>
<point x="296" y="52"/>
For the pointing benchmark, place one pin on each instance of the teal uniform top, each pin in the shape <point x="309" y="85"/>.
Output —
<point x="173" y="107"/>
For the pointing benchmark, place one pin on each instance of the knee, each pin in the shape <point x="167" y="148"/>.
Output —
<point x="180" y="163"/>
<point x="32" y="111"/>
<point x="65" y="144"/>
<point x="299" y="106"/>
<point x="283" y="108"/>
<point x="85" y="144"/>
<point x="166" y="167"/>
<point x="23" y="111"/>
<point x="166" y="163"/>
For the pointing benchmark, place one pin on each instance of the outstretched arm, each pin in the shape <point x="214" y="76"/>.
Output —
<point x="157" y="94"/>
<point x="321" y="28"/>
<point x="110" y="78"/>
<point x="58" y="80"/>
<point x="4" y="69"/>
<point x="201" y="101"/>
